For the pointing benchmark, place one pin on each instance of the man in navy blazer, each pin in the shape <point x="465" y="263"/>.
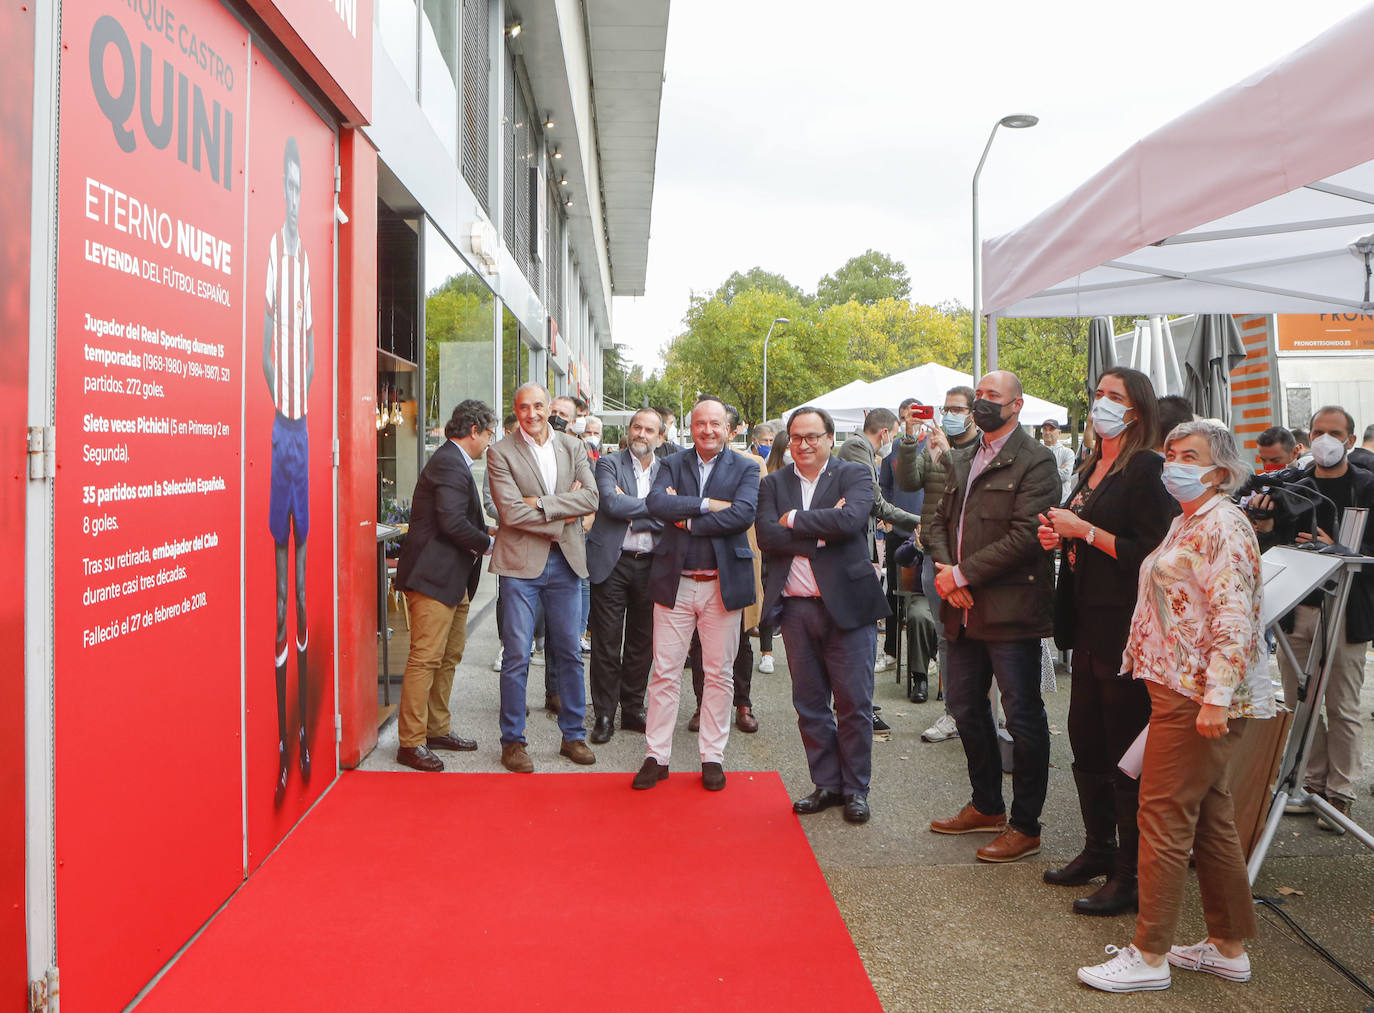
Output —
<point x="440" y="565"/>
<point x="813" y="528"/>
<point x="701" y="576"/>
<point x="620" y="546"/>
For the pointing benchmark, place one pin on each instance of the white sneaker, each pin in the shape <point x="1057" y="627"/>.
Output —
<point x="885" y="663"/>
<point x="586" y="644"/>
<point x="496" y="664"/>
<point x="1125" y="971"/>
<point x="766" y="664"/>
<point x="1204" y="956"/>
<point x="943" y="729"/>
<point x="537" y="658"/>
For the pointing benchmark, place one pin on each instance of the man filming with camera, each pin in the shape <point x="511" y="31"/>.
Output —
<point x="1334" y="764"/>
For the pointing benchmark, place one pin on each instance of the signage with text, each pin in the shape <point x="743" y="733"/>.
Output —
<point x="1323" y="333"/>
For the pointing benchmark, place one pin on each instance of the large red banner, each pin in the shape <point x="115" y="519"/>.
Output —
<point x="147" y="497"/>
<point x="288" y="426"/>
<point x="194" y="399"/>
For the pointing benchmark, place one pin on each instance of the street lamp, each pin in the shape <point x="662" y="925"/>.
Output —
<point x="776" y="321"/>
<point x="1018" y="121"/>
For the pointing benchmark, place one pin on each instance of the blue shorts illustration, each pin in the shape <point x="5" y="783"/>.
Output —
<point x="290" y="502"/>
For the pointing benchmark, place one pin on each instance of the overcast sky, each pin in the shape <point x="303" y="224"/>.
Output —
<point x="795" y="135"/>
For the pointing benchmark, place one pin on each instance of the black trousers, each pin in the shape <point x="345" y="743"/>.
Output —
<point x="893" y="540"/>
<point x="1106" y="713"/>
<point x="622" y="632"/>
<point x="744" y="667"/>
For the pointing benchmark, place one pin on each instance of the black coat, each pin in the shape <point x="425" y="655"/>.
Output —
<point x="1094" y="601"/>
<point x="442" y="554"/>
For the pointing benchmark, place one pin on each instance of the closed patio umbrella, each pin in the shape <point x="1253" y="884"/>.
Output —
<point x="1215" y="350"/>
<point x="1101" y="351"/>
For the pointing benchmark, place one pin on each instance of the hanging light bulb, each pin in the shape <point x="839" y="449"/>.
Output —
<point x="396" y="416"/>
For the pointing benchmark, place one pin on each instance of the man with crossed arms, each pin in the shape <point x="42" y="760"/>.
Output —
<point x="702" y="575"/>
<point x="813" y="524"/>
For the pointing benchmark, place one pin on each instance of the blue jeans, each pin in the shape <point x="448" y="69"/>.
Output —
<point x="972" y="664"/>
<point x="942" y="649"/>
<point x="557" y="588"/>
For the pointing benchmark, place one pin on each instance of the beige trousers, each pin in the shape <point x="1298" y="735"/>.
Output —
<point x="1334" y="765"/>
<point x="438" y="634"/>
<point x="1185" y="802"/>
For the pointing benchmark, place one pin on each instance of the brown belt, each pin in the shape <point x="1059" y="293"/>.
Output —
<point x="702" y="578"/>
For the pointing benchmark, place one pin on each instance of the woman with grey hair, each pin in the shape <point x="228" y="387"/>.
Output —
<point x="1197" y="641"/>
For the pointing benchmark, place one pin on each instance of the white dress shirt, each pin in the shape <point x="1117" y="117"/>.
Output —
<point x="801" y="579"/>
<point x="641" y="541"/>
<point x="544" y="458"/>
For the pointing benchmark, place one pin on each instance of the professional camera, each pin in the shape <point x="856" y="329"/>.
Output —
<point x="1291" y="491"/>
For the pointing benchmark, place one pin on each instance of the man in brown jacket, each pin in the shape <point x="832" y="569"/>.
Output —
<point x="542" y="485"/>
<point x="997" y="587"/>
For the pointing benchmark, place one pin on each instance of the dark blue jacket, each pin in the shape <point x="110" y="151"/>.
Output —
<point x="442" y="553"/>
<point x="848" y="583"/>
<point x="616" y="513"/>
<point x="733" y="478"/>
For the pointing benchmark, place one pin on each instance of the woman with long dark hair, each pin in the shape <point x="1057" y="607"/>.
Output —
<point x="1115" y="515"/>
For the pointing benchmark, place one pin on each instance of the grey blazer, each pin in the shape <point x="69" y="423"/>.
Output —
<point x="525" y="533"/>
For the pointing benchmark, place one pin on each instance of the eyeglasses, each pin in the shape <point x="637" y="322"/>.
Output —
<point x="810" y="439"/>
<point x="954" y="410"/>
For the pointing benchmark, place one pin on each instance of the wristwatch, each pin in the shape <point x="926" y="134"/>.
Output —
<point x="1092" y="534"/>
<point x="539" y="505"/>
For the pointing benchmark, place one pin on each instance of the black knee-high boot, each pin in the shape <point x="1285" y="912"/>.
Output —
<point x="1098" y="857"/>
<point x="1119" y="894"/>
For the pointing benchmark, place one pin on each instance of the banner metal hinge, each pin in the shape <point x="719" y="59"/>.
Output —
<point x="43" y="993"/>
<point x="338" y="727"/>
<point x="42" y="447"/>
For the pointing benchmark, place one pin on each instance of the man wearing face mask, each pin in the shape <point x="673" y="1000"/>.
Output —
<point x="868" y="448"/>
<point x="591" y="436"/>
<point x="920" y="467"/>
<point x="996" y="582"/>
<point x="1334" y="763"/>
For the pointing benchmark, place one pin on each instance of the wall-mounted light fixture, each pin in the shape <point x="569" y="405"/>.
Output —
<point x="514" y="29"/>
<point x="557" y="153"/>
<point x="562" y="180"/>
<point x="548" y="122"/>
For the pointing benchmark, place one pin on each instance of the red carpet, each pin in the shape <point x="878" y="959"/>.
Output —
<point x="551" y="891"/>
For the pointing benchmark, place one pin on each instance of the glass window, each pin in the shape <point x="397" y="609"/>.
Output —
<point x="514" y="364"/>
<point x="439" y="70"/>
<point x="475" y="112"/>
<point x="395" y="21"/>
<point x="459" y="335"/>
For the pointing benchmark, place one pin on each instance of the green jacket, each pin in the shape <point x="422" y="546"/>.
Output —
<point x="1010" y="575"/>
<point x="915" y="470"/>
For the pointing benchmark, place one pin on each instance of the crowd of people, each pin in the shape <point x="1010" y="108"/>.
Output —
<point x="1137" y="555"/>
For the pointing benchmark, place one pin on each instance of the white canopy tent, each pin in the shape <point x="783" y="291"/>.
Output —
<point x="1246" y="204"/>
<point x="849" y="404"/>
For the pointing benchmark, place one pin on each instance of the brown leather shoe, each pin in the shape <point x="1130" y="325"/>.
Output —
<point x="694" y="725"/>
<point x="578" y="751"/>
<point x="970" y="821"/>
<point x="450" y="741"/>
<point x="418" y="757"/>
<point x="1008" y="846"/>
<point x="515" y="759"/>
<point x="745" y="720"/>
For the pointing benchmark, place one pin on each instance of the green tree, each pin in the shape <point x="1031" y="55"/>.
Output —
<point x="1050" y="355"/>
<point x="757" y="279"/>
<point x="867" y="278"/>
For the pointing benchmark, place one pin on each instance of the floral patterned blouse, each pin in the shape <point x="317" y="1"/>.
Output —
<point x="1196" y="627"/>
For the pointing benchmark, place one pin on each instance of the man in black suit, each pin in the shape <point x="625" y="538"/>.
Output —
<point x="619" y="548"/>
<point x="702" y="575"/>
<point x="440" y="565"/>
<point x="813" y="526"/>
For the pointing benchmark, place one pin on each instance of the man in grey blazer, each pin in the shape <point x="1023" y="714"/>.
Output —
<point x="542" y="485"/>
<point x="620" y="548"/>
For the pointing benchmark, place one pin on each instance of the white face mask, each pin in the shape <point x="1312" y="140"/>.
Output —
<point x="1109" y="418"/>
<point x="885" y="448"/>
<point x="1327" y="451"/>
<point x="578" y="425"/>
<point x="787" y="457"/>
<point x="594" y="442"/>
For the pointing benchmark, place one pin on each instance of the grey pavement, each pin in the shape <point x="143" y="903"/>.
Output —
<point x="938" y="930"/>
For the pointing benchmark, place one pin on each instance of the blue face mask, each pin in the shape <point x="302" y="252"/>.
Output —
<point x="1184" y="481"/>
<point x="954" y="425"/>
<point x="1109" y="418"/>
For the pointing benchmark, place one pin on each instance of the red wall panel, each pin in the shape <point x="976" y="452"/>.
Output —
<point x="358" y="450"/>
<point x="16" y="138"/>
